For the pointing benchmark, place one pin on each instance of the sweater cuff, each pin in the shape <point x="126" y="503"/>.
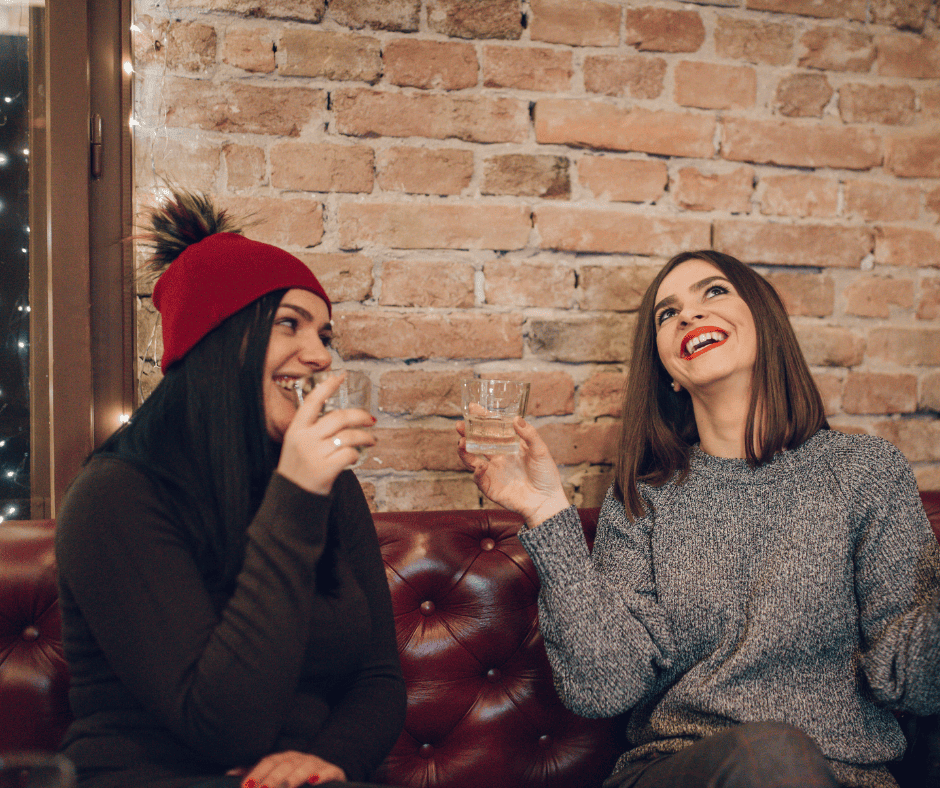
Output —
<point x="558" y="549"/>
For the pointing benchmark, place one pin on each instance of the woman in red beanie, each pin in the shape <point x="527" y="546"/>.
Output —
<point x="225" y="612"/>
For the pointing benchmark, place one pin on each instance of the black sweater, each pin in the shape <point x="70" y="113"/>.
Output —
<point x="172" y="682"/>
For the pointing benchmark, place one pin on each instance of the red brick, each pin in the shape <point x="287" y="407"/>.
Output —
<point x="715" y="86"/>
<point x="472" y="118"/>
<point x="433" y="226"/>
<point x="837" y="49"/>
<point x="344" y="276"/>
<point x="874" y="392"/>
<point x="339" y="56"/>
<point x="249" y="49"/>
<point x="319" y="167"/>
<point x="918" y="439"/>
<point x="244" y="166"/>
<point x="466" y="335"/>
<point x="932" y="202"/>
<point x="914" y="347"/>
<point x="731" y="191"/>
<point x="799" y="144"/>
<point x="190" y="46"/>
<point x="928" y="308"/>
<point x="664" y="30"/>
<point x="593" y="486"/>
<point x="623" y="180"/>
<point x="930" y="102"/>
<point x="528" y="283"/>
<point x="599" y="230"/>
<point x="603" y="339"/>
<point x="930" y="393"/>
<point x="873" y="296"/>
<point x="413" y="449"/>
<point x="907" y="56"/>
<point x="525" y="175"/>
<point x="424" y="170"/>
<point x="417" y="393"/>
<point x="573" y="444"/>
<point x="803" y="95"/>
<point x="637" y="76"/>
<point x="914" y="154"/>
<point x="527" y="68"/>
<point x="881" y="201"/>
<point x="832" y="9"/>
<point x="829" y="346"/>
<point x="401" y="16"/>
<point x="597" y="125"/>
<point x="803" y="293"/>
<point x="239" y="108"/>
<point x="907" y="247"/>
<point x="928" y="477"/>
<point x="830" y="246"/>
<point x="190" y="159"/>
<point x="302" y="10"/>
<point x="432" y="495"/>
<point x="148" y="41"/>
<point x="282" y="221"/>
<point x="575" y="22"/>
<point x="443" y="65"/>
<point x="427" y="284"/>
<point x="475" y="18"/>
<point x="550" y="394"/>
<point x="892" y="105"/>
<point x="614" y="288"/>
<point x="907" y="14"/>
<point x="799" y="195"/>
<point x="754" y="41"/>
<point x="601" y="394"/>
<point x="830" y="389"/>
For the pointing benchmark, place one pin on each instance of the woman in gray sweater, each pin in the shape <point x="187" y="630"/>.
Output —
<point x="763" y="591"/>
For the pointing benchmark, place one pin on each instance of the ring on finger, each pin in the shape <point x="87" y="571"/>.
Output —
<point x="337" y="443"/>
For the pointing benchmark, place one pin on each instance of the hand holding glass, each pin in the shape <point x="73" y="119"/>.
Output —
<point x="354" y="392"/>
<point x="489" y="408"/>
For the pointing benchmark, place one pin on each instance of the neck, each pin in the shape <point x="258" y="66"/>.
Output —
<point x="721" y="419"/>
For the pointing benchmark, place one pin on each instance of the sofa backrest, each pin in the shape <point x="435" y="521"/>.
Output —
<point x="482" y="709"/>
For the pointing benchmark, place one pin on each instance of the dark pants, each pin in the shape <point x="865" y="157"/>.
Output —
<point x="751" y="755"/>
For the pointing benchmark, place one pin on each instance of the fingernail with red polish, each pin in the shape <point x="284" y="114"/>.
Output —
<point x="249" y="784"/>
<point x="313" y="779"/>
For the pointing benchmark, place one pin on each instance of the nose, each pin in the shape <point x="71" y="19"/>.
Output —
<point x="316" y="355"/>
<point x="691" y="314"/>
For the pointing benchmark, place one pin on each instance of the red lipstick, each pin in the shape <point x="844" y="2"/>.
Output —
<point x="696" y="332"/>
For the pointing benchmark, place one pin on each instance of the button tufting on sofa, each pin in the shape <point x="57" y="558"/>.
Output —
<point x="482" y="709"/>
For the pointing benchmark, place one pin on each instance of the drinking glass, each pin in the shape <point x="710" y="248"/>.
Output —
<point x="489" y="408"/>
<point x="354" y="392"/>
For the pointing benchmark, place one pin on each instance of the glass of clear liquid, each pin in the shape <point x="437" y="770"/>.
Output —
<point x="354" y="392"/>
<point x="489" y="408"/>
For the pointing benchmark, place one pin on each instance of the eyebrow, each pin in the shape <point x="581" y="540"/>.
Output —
<point x="328" y="326"/>
<point x="696" y="288"/>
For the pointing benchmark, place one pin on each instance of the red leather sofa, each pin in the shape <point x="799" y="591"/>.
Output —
<point x="482" y="710"/>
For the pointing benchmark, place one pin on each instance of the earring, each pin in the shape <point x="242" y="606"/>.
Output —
<point x="676" y="387"/>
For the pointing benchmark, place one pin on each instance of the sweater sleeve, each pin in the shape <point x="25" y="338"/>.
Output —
<point x="608" y="641"/>
<point x="365" y="723"/>
<point x="222" y="683"/>
<point x="897" y="565"/>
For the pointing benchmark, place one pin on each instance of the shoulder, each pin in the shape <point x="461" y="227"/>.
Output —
<point x="849" y="454"/>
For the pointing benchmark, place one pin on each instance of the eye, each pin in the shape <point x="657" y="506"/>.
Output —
<point x="716" y="290"/>
<point x="327" y="338"/>
<point x="664" y="315"/>
<point x="288" y="322"/>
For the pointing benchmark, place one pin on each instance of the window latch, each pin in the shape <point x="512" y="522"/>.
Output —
<point x="96" y="144"/>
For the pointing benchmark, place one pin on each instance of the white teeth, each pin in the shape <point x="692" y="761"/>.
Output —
<point x="697" y="342"/>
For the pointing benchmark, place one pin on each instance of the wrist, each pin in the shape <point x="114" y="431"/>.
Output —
<point x="551" y="506"/>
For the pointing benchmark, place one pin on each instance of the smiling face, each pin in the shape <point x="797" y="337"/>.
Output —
<point x="299" y="344"/>
<point x="705" y="332"/>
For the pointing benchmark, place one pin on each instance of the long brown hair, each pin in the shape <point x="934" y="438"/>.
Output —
<point x="658" y="425"/>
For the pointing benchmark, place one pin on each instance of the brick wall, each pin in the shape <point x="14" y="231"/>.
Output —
<point x="487" y="186"/>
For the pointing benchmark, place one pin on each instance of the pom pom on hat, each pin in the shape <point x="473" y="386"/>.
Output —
<point x="215" y="278"/>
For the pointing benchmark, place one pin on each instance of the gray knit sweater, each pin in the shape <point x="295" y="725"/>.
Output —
<point x="805" y="591"/>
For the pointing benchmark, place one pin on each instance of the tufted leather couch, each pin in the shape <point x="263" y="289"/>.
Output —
<point x="482" y="710"/>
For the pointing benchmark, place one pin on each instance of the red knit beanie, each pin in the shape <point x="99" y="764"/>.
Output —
<point x="213" y="279"/>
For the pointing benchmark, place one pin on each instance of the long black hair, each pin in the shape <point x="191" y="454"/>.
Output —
<point x="201" y="433"/>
